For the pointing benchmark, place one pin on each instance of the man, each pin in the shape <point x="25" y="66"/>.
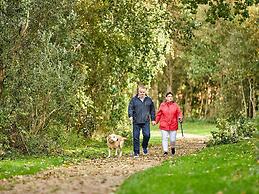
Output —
<point x="140" y="109"/>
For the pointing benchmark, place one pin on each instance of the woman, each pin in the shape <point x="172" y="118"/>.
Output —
<point x="168" y="115"/>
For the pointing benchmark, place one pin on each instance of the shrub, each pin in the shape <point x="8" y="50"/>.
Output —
<point x="232" y="131"/>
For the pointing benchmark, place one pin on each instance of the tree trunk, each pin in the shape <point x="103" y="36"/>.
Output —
<point x="170" y="75"/>
<point x="40" y="116"/>
<point x="187" y="105"/>
<point x="254" y="99"/>
<point x="207" y="100"/>
<point x="251" y="98"/>
<point x="154" y="95"/>
<point x="201" y="105"/>
<point x="1" y="78"/>
<point x="244" y="99"/>
<point x="190" y="101"/>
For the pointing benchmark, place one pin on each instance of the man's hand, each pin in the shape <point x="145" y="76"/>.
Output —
<point x="180" y="120"/>
<point x="131" y="119"/>
<point x="153" y="122"/>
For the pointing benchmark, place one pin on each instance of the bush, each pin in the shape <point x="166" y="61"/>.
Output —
<point x="41" y="144"/>
<point x="232" y="131"/>
<point x="51" y="141"/>
<point x="55" y="140"/>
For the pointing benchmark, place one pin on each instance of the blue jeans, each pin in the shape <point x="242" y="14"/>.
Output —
<point x="136" y="133"/>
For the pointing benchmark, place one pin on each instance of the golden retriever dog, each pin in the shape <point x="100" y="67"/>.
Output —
<point x="115" y="142"/>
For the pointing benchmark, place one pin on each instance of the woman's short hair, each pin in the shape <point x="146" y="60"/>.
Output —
<point x="168" y="93"/>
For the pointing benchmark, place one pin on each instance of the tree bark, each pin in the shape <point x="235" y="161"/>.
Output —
<point x="201" y="105"/>
<point x="187" y="105"/>
<point x="170" y="75"/>
<point x="207" y="101"/>
<point x="244" y="99"/>
<point x="1" y="78"/>
<point x="154" y="95"/>
<point x="252" y="110"/>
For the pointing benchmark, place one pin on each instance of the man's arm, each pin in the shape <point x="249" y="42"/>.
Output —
<point x="152" y="111"/>
<point x="158" y="115"/>
<point x="130" y="109"/>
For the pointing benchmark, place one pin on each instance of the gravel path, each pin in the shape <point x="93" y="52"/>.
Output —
<point x="97" y="176"/>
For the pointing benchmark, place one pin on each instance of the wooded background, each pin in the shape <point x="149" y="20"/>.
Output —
<point x="71" y="66"/>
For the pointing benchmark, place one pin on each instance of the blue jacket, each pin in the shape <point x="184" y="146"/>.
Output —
<point x="141" y="111"/>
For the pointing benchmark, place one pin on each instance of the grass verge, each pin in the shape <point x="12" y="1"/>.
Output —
<point x="222" y="169"/>
<point x="27" y="165"/>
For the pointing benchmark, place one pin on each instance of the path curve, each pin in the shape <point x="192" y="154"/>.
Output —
<point x="94" y="176"/>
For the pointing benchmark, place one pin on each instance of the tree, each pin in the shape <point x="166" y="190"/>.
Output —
<point x="120" y="42"/>
<point x="69" y="64"/>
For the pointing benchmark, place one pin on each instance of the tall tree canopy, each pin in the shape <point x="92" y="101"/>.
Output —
<point x="70" y="63"/>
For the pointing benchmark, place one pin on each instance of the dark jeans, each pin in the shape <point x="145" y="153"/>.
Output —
<point x="136" y="133"/>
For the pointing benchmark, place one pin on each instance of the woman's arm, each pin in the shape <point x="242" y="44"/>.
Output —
<point x="158" y="115"/>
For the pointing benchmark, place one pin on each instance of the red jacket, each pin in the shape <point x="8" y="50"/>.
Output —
<point x="168" y="115"/>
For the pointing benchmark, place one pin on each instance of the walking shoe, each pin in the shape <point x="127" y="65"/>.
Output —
<point x="173" y="151"/>
<point x="145" y="151"/>
<point x="136" y="155"/>
<point x="165" y="153"/>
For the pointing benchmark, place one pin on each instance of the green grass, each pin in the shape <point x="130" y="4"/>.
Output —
<point x="223" y="169"/>
<point x="27" y="165"/>
<point x="199" y="127"/>
<point x="196" y="127"/>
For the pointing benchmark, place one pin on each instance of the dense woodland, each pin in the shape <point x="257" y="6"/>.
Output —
<point x="69" y="67"/>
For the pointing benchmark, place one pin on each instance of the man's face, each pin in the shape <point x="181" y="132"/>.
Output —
<point x="141" y="92"/>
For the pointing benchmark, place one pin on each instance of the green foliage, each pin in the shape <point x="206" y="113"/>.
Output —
<point x="227" y="169"/>
<point x="120" y="42"/>
<point x="257" y="121"/>
<point x="71" y="64"/>
<point x="221" y="66"/>
<point x="213" y="66"/>
<point x="40" y="79"/>
<point x="221" y="9"/>
<point x="232" y="131"/>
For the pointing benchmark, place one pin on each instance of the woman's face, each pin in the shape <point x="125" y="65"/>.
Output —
<point x="169" y="98"/>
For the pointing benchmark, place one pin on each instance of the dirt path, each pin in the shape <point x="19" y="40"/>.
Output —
<point x="101" y="176"/>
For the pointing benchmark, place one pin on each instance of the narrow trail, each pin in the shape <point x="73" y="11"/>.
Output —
<point x="97" y="176"/>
